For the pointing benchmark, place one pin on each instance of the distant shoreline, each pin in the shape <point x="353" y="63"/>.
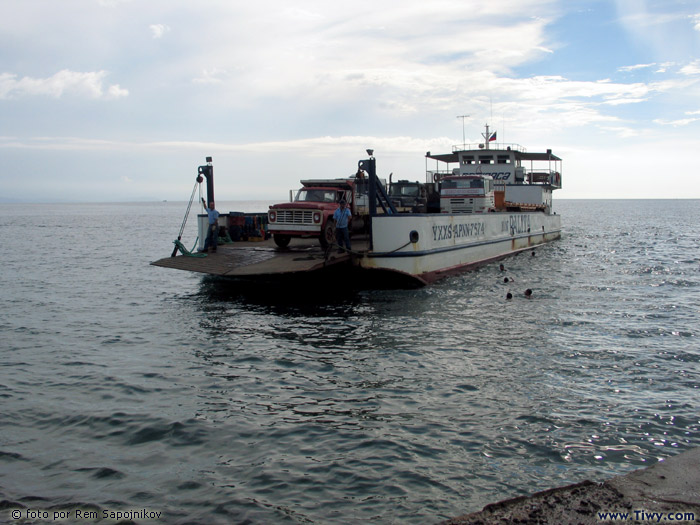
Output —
<point x="271" y="200"/>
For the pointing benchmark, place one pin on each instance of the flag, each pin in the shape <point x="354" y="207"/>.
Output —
<point x="492" y="137"/>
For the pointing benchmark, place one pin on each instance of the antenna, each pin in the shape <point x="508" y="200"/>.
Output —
<point x="463" y="117"/>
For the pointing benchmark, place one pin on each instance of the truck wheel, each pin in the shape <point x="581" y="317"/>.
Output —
<point x="281" y="240"/>
<point x="327" y="235"/>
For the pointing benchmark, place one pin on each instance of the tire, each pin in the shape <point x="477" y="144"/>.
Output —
<point x="281" y="240"/>
<point x="327" y="236"/>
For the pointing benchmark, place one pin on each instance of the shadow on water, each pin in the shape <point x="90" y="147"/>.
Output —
<point x="303" y="294"/>
<point x="282" y="294"/>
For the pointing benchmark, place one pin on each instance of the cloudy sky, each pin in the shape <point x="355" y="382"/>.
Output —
<point x="118" y="100"/>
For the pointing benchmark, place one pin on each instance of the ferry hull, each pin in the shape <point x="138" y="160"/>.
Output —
<point x="428" y="247"/>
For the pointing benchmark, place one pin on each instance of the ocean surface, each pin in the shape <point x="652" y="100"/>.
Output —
<point x="126" y="387"/>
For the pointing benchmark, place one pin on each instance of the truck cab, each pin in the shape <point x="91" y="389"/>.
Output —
<point x="310" y="213"/>
<point x="408" y="197"/>
<point x="467" y="194"/>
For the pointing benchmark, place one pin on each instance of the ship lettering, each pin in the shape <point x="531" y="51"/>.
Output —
<point x="458" y="231"/>
<point x="468" y="230"/>
<point x="519" y="224"/>
<point x="441" y="233"/>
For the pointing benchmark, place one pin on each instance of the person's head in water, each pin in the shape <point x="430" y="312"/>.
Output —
<point x="509" y="296"/>
<point x="528" y="293"/>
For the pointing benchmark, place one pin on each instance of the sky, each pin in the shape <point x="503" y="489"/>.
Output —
<point x="122" y="100"/>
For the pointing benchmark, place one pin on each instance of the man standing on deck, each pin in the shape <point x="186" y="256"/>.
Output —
<point x="342" y="216"/>
<point x="213" y="230"/>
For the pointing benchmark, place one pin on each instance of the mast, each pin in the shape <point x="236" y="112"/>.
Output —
<point x="486" y="136"/>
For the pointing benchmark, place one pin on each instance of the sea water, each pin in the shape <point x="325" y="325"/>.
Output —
<point x="132" y="388"/>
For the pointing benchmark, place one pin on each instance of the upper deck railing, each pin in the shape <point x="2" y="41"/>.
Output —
<point x="532" y="176"/>
<point x="492" y="145"/>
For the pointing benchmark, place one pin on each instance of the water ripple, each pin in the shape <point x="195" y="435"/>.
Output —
<point x="218" y="404"/>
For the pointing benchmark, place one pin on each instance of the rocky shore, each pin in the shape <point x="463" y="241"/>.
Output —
<point x="668" y="492"/>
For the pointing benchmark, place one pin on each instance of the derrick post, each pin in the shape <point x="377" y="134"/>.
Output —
<point x="208" y="172"/>
<point x="370" y="167"/>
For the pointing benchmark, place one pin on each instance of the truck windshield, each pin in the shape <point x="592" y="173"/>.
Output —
<point x="405" y="191"/>
<point x="310" y="195"/>
<point x="450" y="184"/>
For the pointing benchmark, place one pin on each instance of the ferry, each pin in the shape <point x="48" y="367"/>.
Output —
<point x="480" y="203"/>
<point x="494" y="200"/>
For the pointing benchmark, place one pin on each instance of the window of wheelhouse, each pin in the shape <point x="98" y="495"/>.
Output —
<point x="468" y="159"/>
<point x="485" y="159"/>
<point x="504" y="159"/>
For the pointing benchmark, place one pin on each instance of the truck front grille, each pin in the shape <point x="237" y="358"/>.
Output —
<point x="295" y="217"/>
<point x="462" y="205"/>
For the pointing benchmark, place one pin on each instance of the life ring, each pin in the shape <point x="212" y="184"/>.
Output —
<point x="436" y="177"/>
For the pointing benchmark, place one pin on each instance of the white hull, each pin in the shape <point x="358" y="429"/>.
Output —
<point x="450" y="243"/>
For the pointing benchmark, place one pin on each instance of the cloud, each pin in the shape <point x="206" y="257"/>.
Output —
<point x="660" y="28"/>
<point x="298" y="14"/>
<point x="664" y="67"/>
<point x="313" y="146"/>
<point x="339" y="52"/>
<point x="680" y="122"/>
<point x="623" y="132"/>
<point x="676" y="123"/>
<point x="314" y="78"/>
<point x="691" y="69"/>
<point x="213" y="76"/>
<point x="65" y="82"/>
<point x="158" y="30"/>
<point x="635" y="67"/>
<point x="112" y="3"/>
<point x="696" y="21"/>
<point x="115" y="91"/>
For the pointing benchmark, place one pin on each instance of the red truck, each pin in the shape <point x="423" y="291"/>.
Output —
<point x="310" y="214"/>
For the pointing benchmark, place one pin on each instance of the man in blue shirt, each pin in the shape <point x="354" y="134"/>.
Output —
<point x="342" y="216"/>
<point x="213" y="229"/>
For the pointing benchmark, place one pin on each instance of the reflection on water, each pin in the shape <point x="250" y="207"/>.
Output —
<point x="453" y="378"/>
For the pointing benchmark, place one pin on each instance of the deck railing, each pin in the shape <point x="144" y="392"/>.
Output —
<point x="492" y="145"/>
<point x="532" y="176"/>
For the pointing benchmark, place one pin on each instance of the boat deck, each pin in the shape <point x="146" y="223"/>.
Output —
<point x="262" y="258"/>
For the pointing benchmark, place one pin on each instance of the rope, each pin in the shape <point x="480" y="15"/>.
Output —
<point x="185" y="251"/>
<point x="178" y="244"/>
<point x="400" y="247"/>
<point x="333" y="245"/>
<point x="187" y="213"/>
